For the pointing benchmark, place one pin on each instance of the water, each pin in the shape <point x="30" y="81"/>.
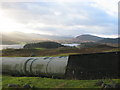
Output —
<point x="18" y="46"/>
<point x="73" y="44"/>
<point x="15" y="46"/>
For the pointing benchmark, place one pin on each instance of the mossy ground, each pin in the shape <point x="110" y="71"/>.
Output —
<point x="39" y="82"/>
<point x="41" y="52"/>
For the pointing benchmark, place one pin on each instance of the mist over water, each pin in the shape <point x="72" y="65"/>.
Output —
<point x="18" y="46"/>
<point x="72" y="45"/>
<point x="15" y="46"/>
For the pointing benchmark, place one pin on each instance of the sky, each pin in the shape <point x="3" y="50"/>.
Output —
<point x="60" y="17"/>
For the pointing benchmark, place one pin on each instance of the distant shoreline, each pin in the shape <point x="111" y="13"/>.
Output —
<point x="18" y="46"/>
<point x="14" y="46"/>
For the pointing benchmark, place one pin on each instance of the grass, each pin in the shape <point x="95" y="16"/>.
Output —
<point x="63" y="54"/>
<point x="41" y="52"/>
<point x="39" y="82"/>
<point x="40" y="48"/>
<point x="113" y="50"/>
<point x="0" y="81"/>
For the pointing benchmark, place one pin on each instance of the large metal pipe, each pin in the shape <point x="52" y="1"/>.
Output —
<point x="82" y="66"/>
<point x="37" y="66"/>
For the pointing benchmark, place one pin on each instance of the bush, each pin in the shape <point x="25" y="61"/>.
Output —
<point x="48" y="45"/>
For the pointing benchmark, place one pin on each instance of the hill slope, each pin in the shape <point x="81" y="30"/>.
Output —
<point x="110" y="40"/>
<point x="19" y="37"/>
<point x="86" y="38"/>
<point x="44" y="45"/>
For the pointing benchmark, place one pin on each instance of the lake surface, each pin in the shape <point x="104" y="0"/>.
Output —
<point x="18" y="46"/>
<point x="15" y="46"/>
<point x="73" y="44"/>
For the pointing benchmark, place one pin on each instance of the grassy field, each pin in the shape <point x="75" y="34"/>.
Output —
<point x="0" y="81"/>
<point x="38" y="82"/>
<point x="39" y="52"/>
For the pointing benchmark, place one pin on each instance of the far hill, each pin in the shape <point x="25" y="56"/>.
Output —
<point x="23" y="38"/>
<point x="94" y="45"/>
<point x="110" y="40"/>
<point x="20" y="37"/>
<point x="48" y="45"/>
<point x="86" y="38"/>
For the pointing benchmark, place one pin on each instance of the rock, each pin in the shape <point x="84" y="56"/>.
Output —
<point x="33" y="55"/>
<point x="103" y="85"/>
<point x="33" y="87"/>
<point x="115" y="85"/>
<point x="14" y="85"/>
<point x="26" y="86"/>
<point x="108" y="86"/>
<point x="99" y="83"/>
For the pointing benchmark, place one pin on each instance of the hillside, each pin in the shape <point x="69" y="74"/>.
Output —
<point x="23" y="38"/>
<point x="46" y="44"/>
<point x="88" y="38"/>
<point x="92" y="40"/>
<point x="19" y="37"/>
<point x="63" y="51"/>
<point x="110" y="40"/>
<point x="94" y="45"/>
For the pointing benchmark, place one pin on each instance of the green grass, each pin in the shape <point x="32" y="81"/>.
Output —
<point x="40" y="48"/>
<point x="64" y="54"/>
<point x="0" y="81"/>
<point x="113" y="50"/>
<point x="39" y="82"/>
<point x="41" y="52"/>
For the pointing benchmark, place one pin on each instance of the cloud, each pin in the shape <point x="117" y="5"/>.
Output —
<point x="110" y="6"/>
<point x="64" y="18"/>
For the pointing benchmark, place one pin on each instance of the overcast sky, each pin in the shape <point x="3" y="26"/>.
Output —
<point x="60" y="17"/>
